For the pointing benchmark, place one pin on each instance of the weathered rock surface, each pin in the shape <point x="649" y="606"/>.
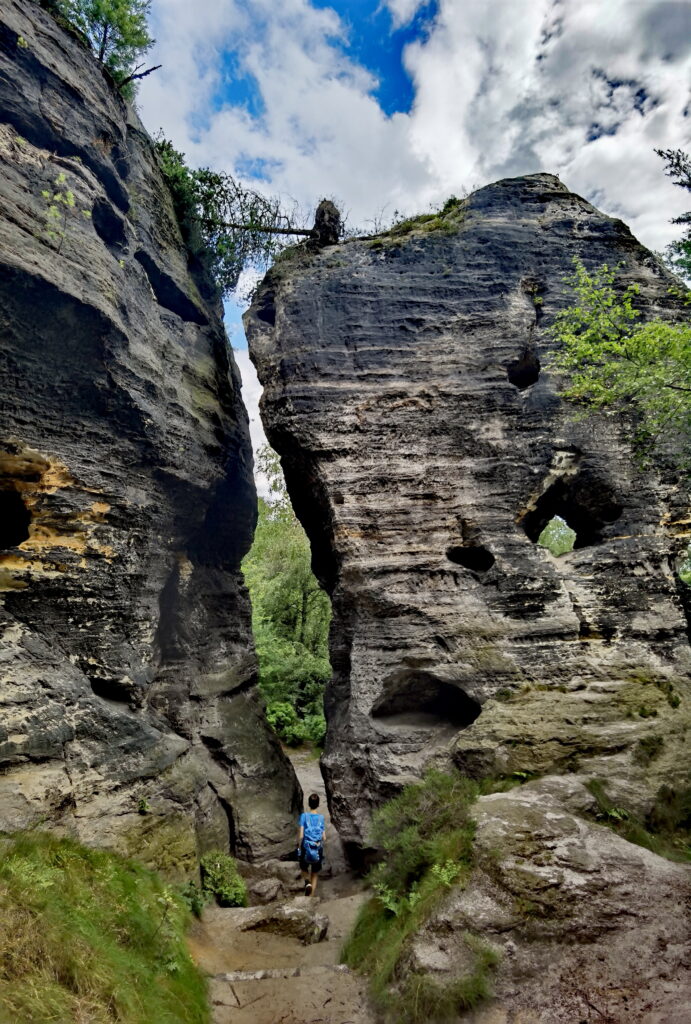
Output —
<point x="298" y="918"/>
<point x="588" y="926"/>
<point x="129" y="714"/>
<point x="425" y="448"/>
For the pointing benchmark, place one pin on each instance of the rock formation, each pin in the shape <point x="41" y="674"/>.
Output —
<point x="425" y="449"/>
<point x="129" y="711"/>
<point x="587" y="926"/>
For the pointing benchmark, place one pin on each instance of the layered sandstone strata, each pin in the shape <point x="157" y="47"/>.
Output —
<point x="128" y="707"/>
<point x="425" y="448"/>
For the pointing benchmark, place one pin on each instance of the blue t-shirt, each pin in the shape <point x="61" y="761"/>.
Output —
<point x="313" y="825"/>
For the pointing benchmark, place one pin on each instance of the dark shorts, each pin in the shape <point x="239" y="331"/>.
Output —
<point x="313" y="866"/>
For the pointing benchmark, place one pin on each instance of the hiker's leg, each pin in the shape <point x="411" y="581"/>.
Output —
<point x="314" y="879"/>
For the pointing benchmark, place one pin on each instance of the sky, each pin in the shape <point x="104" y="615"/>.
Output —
<point x="393" y="105"/>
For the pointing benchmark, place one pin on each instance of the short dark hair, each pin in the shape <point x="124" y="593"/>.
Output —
<point x="313" y="800"/>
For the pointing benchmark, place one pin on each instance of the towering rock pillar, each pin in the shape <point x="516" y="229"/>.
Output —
<point x="425" y="449"/>
<point x="128" y="707"/>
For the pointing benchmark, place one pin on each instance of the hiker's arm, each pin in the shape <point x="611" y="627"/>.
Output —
<point x="301" y="833"/>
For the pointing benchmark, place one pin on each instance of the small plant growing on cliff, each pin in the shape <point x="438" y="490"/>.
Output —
<point x="610" y="360"/>
<point x="220" y="878"/>
<point x="58" y="207"/>
<point x="426" y="834"/>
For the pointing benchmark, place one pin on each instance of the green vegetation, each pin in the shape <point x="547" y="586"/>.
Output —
<point x="220" y="878"/>
<point x="677" y="255"/>
<point x="115" y="30"/>
<point x="228" y="226"/>
<point x="557" y="537"/>
<point x="59" y="207"/>
<point x="427" y="835"/>
<point x="290" y="617"/>
<point x="446" y="220"/>
<point x="88" y="936"/>
<point x="666" y="829"/>
<point x="612" y="361"/>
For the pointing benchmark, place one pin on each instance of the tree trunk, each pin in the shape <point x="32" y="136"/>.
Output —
<point x="104" y="43"/>
<point x="309" y="232"/>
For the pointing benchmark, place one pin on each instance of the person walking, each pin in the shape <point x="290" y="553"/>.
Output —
<point x="311" y="834"/>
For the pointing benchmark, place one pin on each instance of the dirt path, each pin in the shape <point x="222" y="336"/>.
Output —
<point x="257" y="977"/>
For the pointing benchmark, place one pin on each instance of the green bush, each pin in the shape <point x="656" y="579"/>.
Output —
<point x="220" y="878"/>
<point x="666" y="829"/>
<point x="426" y="834"/>
<point x="88" y="936"/>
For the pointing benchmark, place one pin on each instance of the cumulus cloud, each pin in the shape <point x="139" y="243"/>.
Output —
<point x="579" y="88"/>
<point x="251" y="393"/>
<point x="403" y="11"/>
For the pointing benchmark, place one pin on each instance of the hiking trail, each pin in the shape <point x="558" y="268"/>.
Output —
<point x="261" y="977"/>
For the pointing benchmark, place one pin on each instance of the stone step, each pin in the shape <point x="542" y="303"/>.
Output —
<point x="269" y="974"/>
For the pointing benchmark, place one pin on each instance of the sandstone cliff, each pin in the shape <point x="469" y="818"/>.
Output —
<point x="129" y="711"/>
<point x="425" y="448"/>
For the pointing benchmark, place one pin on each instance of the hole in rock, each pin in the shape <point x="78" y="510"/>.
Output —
<point x="14" y="520"/>
<point x="265" y="309"/>
<point x="557" y="537"/>
<point x="168" y="293"/>
<point x="422" y="700"/>
<point x="525" y="370"/>
<point x="476" y="557"/>
<point x="109" y="225"/>
<point x="585" y="504"/>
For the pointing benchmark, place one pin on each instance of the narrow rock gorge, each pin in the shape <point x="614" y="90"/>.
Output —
<point x="129" y="709"/>
<point x="425" y="447"/>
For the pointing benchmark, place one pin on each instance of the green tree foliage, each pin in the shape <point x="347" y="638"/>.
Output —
<point x="677" y="255"/>
<point x="229" y="226"/>
<point x="290" y="616"/>
<point x="116" y="30"/>
<point x="613" y="361"/>
<point x="557" y="537"/>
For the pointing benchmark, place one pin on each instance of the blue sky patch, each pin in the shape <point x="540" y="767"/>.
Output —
<point x="373" y="43"/>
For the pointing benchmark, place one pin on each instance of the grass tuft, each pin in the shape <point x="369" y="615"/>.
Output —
<point x="88" y="936"/>
<point x="427" y="836"/>
<point x="666" y="830"/>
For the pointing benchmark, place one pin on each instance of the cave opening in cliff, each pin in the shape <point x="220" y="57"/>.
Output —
<point x="474" y="557"/>
<point x="15" y="519"/>
<point x="583" y="503"/>
<point x="524" y="371"/>
<point x="420" y="699"/>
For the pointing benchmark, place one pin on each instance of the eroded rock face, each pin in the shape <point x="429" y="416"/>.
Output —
<point x="425" y="448"/>
<point x="129" y="712"/>
<point x="586" y="924"/>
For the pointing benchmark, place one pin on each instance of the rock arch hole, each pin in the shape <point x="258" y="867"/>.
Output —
<point x="15" y="519"/>
<point x="475" y="557"/>
<point x="585" y="503"/>
<point x="524" y="371"/>
<point x="421" y="700"/>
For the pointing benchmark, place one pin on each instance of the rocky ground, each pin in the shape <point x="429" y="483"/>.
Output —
<point x="263" y="967"/>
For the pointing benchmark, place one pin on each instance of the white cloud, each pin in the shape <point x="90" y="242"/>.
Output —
<point x="500" y="89"/>
<point x="403" y="11"/>
<point x="579" y="88"/>
<point x="251" y="393"/>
